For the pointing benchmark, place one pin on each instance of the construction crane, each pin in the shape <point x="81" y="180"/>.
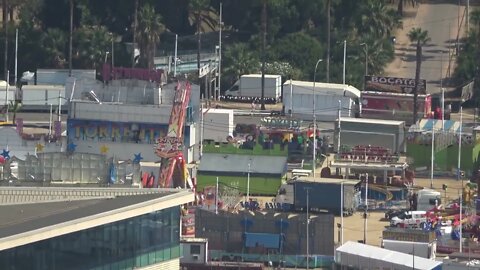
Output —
<point x="170" y="147"/>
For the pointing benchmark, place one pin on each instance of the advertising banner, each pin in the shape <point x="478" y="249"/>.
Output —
<point x="394" y="85"/>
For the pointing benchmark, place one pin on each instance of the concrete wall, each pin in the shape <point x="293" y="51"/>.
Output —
<point x="225" y="230"/>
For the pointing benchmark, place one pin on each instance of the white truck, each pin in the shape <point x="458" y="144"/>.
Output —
<point x="250" y="86"/>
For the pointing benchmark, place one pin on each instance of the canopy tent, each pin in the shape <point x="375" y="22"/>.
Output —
<point x="371" y="257"/>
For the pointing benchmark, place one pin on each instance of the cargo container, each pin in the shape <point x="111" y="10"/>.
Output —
<point x="324" y="195"/>
<point x="298" y="98"/>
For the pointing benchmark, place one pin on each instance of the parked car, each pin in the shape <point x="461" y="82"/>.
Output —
<point x="394" y="213"/>
<point x="415" y="219"/>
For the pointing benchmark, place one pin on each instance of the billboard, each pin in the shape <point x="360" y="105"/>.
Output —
<point x="394" y="85"/>
<point x="106" y="131"/>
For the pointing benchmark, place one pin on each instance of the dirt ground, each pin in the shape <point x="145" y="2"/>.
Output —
<point x="353" y="225"/>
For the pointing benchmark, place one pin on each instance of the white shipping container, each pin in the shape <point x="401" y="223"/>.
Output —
<point x="217" y="124"/>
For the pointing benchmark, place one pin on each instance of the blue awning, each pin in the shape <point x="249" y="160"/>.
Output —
<point x="266" y="240"/>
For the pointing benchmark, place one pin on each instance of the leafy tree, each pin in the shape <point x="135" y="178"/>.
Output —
<point x="150" y="26"/>
<point x="420" y="38"/>
<point x="238" y="60"/>
<point x="14" y="108"/>
<point x="377" y="19"/>
<point x="54" y="43"/>
<point x="91" y="45"/>
<point x="203" y="17"/>
<point x="300" y="50"/>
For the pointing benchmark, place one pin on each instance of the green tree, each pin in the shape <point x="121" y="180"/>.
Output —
<point x="14" y="108"/>
<point x="54" y="43"/>
<point x="377" y="19"/>
<point x="150" y="26"/>
<point x="300" y="50"/>
<point x="420" y="38"/>
<point x="238" y="60"/>
<point x="204" y="18"/>
<point x="91" y="45"/>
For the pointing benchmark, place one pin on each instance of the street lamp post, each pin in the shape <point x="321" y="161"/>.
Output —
<point x="314" y="120"/>
<point x="344" y="58"/>
<point x="308" y="221"/>
<point x="248" y="183"/>
<point x="366" y="210"/>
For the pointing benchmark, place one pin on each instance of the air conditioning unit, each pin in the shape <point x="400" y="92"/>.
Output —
<point x="195" y="257"/>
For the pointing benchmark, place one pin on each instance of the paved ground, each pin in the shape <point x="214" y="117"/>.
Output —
<point x="353" y="226"/>
<point x="443" y="21"/>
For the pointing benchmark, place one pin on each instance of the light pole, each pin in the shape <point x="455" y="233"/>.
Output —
<point x="344" y="58"/>
<point x="308" y="221"/>
<point x="314" y="157"/>
<point x="432" y="158"/>
<point x="460" y="144"/>
<point x="248" y="183"/>
<point x="366" y="210"/>
<point x="366" y="57"/>
<point x="341" y="212"/>
<point x="339" y="125"/>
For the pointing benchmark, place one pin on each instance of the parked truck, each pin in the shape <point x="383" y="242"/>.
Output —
<point x="324" y="195"/>
<point x="250" y="86"/>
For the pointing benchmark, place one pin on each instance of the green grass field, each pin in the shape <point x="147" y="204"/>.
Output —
<point x="258" y="185"/>
<point x="257" y="150"/>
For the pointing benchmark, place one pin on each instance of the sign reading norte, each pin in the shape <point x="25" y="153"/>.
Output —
<point x="87" y="130"/>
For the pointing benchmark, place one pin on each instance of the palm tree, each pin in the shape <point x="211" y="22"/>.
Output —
<point x="420" y="37"/>
<point x="239" y="60"/>
<point x="53" y="43"/>
<point x="378" y="19"/>
<point x="475" y="19"/>
<point x="151" y="27"/>
<point x="204" y="18"/>
<point x="135" y="20"/>
<point x="5" y="29"/>
<point x="14" y="108"/>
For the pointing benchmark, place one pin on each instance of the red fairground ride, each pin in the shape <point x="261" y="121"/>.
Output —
<point x="173" y="172"/>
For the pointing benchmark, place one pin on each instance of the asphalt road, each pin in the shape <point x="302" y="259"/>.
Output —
<point x="443" y="21"/>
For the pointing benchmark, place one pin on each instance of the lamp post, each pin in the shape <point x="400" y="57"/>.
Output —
<point x="248" y="183"/>
<point x="432" y="158"/>
<point x="341" y="212"/>
<point x="344" y="58"/>
<point x="460" y="144"/>
<point x="314" y="157"/>
<point x="366" y="210"/>
<point x="308" y="221"/>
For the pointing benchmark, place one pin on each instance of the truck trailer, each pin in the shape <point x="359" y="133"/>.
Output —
<point x="324" y="195"/>
<point x="299" y="98"/>
<point x="250" y="86"/>
<point x="395" y="106"/>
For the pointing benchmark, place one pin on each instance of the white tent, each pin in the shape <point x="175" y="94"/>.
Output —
<point x="371" y="257"/>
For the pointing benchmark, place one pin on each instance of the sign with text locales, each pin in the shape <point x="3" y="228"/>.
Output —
<point x="394" y="85"/>
<point x="272" y="122"/>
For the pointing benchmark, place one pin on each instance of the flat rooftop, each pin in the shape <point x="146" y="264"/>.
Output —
<point x="28" y="222"/>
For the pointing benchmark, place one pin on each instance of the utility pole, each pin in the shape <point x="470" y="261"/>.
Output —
<point x="432" y="158"/>
<point x="344" y="58"/>
<point x="16" y="56"/>
<point x="248" y="183"/>
<point x="328" y="41"/>
<point x="70" y="42"/>
<point x="134" y="31"/>
<point x="220" y="53"/>
<point x="308" y="222"/>
<point x="5" y="29"/>
<point x="264" y="40"/>
<point x="175" y="60"/>
<point x="366" y="210"/>
<point x="314" y="157"/>
<point x="460" y="144"/>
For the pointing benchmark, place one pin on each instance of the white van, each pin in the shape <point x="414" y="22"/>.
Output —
<point x="416" y="219"/>
<point x="427" y="199"/>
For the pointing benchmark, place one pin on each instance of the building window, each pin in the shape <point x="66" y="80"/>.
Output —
<point x="195" y="249"/>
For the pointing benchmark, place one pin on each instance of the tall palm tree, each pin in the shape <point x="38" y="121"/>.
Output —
<point x="204" y="18"/>
<point x="420" y="38"/>
<point x="239" y="59"/>
<point x="5" y="29"/>
<point x="53" y="44"/>
<point x="376" y="18"/>
<point x="135" y="20"/>
<point x="475" y="19"/>
<point x="150" y="25"/>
